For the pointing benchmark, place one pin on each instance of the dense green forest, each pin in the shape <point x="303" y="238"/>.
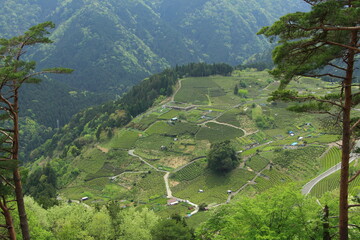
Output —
<point x="112" y="45"/>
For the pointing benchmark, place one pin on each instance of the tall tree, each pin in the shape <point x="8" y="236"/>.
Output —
<point x="327" y="36"/>
<point x="222" y="157"/>
<point x="14" y="71"/>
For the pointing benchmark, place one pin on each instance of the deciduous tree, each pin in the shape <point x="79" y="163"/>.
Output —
<point x="222" y="157"/>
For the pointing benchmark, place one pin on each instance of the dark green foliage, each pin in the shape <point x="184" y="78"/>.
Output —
<point x="265" y="122"/>
<point x="41" y="185"/>
<point x="236" y="90"/>
<point x="174" y="228"/>
<point x="280" y="213"/>
<point x="222" y="157"/>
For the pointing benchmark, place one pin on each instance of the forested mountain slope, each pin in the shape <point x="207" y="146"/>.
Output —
<point x="113" y="44"/>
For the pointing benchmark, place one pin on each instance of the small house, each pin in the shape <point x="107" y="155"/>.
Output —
<point x="229" y="191"/>
<point x="172" y="201"/>
<point x="201" y="191"/>
<point x="84" y="198"/>
<point x="174" y="119"/>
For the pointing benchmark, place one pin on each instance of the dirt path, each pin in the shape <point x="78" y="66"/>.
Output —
<point x="167" y="185"/>
<point x="168" y="190"/>
<point x="104" y="150"/>
<point x="176" y="91"/>
<point x="131" y="153"/>
<point x="252" y="181"/>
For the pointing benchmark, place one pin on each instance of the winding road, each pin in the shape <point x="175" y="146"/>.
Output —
<point x="308" y="186"/>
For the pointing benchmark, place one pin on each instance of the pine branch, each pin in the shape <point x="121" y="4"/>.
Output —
<point x="325" y="74"/>
<point x="343" y="45"/>
<point x="353" y="205"/>
<point x="336" y="66"/>
<point x="354" y="177"/>
<point x="7" y="182"/>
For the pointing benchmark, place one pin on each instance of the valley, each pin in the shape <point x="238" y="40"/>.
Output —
<point x="160" y="156"/>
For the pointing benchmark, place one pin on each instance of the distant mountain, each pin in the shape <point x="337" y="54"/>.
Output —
<point x="113" y="44"/>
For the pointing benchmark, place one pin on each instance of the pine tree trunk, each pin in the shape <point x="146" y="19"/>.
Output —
<point x="346" y="146"/>
<point x="8" y="219"/>
<point x="17" y="178"/>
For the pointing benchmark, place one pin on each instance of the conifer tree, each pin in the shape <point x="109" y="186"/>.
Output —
<point x="14" y="71"/>
<point x="327" y="36"/>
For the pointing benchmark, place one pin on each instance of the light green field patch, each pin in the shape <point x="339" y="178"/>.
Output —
<point x="257" y="163"/>
<point x="271" y="178"/>
<point x="330" y="159"/>
<point x="170" y="114"/>
<point x="144" y="121"/>
<point x="194" y="90"/>
<point x="332" y="182"/>
<point x="256" y="112"/>
<point x="151" y="184"/>
<point x="90" y="161"/>
<point x="172" y="128"/>
<point x="231" y="117"/>
<point x="215" y="186"/>
<point x="154" y="142"/>
<point x="190" y="172"/>
<point x="216" y="132"/>
<point x="124" y="139"/>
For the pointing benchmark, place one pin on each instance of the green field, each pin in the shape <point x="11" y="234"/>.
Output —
<point x="198" y="91"/>
<point x="257" y="163"/>
<point x="190" y="172"/>
<point x="124" y="139"/>
<point x="331" y="158"/>
<point x="172" y="128"/>
<point x="332" y="182"/>
<point x="217" y="132"/>
<point x="231" y="117"/>
<point x="215" y="186"/>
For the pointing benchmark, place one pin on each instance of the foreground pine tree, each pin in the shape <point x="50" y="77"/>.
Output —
<point x="14" y="71"/>
<point x="327" y="36"/>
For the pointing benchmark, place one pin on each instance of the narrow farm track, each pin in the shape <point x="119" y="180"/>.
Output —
<point x="176" y="91"/>
<point x="167" y="185"/>
<point x="252" y="181"/>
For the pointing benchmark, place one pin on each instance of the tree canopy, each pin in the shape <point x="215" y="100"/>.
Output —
<point x="222" y="157"/>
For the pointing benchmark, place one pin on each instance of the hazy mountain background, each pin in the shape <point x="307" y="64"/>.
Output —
<point x="114" y="44"/>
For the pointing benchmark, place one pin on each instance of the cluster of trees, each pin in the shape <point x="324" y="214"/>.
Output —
<point x="279" y="213"/>
<point x="222" y="157"/>
<point x="42" y="186"/>
<point x="75" y="221"/>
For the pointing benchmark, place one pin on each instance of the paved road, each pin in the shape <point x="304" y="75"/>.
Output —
<point x="307" y="187"/>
